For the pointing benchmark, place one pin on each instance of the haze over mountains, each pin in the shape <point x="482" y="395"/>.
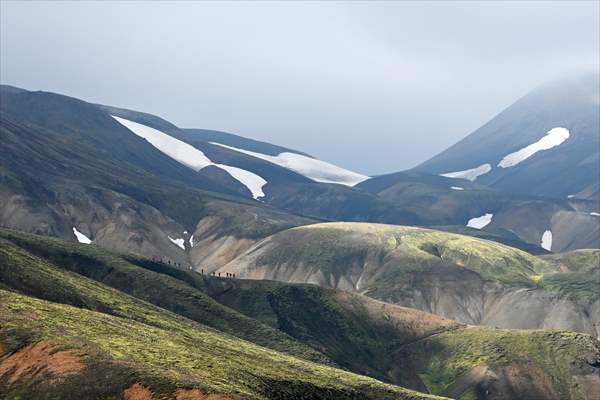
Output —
<point x="169" y="262"/>
<point x="566" y="113"/>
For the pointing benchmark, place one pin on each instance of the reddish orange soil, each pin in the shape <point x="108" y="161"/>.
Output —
<point x="137" y="391"/>
<point x="39" y="359"/>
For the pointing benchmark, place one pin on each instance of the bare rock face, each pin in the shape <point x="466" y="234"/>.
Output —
<point x="210" y="249"/>
<point x="108" y="219"/>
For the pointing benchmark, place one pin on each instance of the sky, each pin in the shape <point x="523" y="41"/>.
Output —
<point x="372" y="86"/>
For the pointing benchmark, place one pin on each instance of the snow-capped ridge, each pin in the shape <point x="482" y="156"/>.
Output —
<point x="317" y="170"/>
<point x="191" y="157"/>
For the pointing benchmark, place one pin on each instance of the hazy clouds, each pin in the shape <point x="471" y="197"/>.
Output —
<point x="376" y="87"/>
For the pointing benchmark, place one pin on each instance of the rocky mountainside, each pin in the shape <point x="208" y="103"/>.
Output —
<point x="75" y="313"/>
<point x="470" y="280"/>
<point x="449" y="203"/>
<point x="121" y="168"/>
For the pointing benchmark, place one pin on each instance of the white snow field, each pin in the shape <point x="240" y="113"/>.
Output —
<point x="456" y="188"/>
<point x="191" y="157"/>
<point x="81" y="238"/>
<point x="192" y="241"/>
<point x="480" y="222"/>
<point x="470" y="174"/>
<point x="547" y="240"/>
<point x="253" y="182"/>
<point x="554" y="137"/>
<point x="178" y="242"/>
<point x="312" y="168"/>
<point x="595" y="214"/>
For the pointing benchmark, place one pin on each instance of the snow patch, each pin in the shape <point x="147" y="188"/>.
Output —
<point x="547" y="240"/>
<point x="178" y="242"/>
<point x="253" y="182"/>
<point x="192" y="241"/>
<point x="312" y="168"/>
<point x="456" y="188"/>
<point x="180" y="151"/>
<point x="570" y="196"/>
<point x="595" y="214"/>
<point x="81" y="238"/>
<point x="470" y="174"/>
<point x="554" y="137"/>
<point x="191" y="157"/>
<point x="480" y="222"/>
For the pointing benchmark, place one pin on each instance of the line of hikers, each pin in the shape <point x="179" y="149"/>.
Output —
<point x="213" y="273"/>
<point x="168" y="262"/>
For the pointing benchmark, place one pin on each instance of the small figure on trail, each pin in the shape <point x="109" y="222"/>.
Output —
<point x="202" y="271"/>
<point x="219" y="274"/>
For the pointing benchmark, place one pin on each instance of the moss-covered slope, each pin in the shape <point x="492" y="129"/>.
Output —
<point x="111" y="343"/>
<point x="460" y="277"/>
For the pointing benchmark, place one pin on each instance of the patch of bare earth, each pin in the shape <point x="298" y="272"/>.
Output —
<point x="137" y="391"/>
<point x="39" y="360"/>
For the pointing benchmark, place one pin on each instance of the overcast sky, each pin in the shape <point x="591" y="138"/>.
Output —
<point x="375" y="87"/>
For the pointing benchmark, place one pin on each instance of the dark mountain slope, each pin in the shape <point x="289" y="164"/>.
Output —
<point x="571" y="168"/>
<point x="76" y="122"/>
<point x="274" y="174"/>
<point x="65" y="175"/>
<point x="516" y="218"/>
<point x="230" y="139"/>
<point x="287" y="189"/>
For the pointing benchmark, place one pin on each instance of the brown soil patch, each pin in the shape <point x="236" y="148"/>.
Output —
<point x="196" y="394"/>
<point x="137" y="391"/>
<point x="39" y="359"/>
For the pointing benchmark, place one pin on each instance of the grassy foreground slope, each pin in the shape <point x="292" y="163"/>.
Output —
<point x="40" y="266"/>
<point x="109" y="344"/>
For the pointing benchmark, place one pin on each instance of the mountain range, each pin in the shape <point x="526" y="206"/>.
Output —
<point x="142" y="260"/>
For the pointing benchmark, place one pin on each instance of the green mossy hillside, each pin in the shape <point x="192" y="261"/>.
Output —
<point x="54" y="270"/>
<point x="177" y="354"/>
